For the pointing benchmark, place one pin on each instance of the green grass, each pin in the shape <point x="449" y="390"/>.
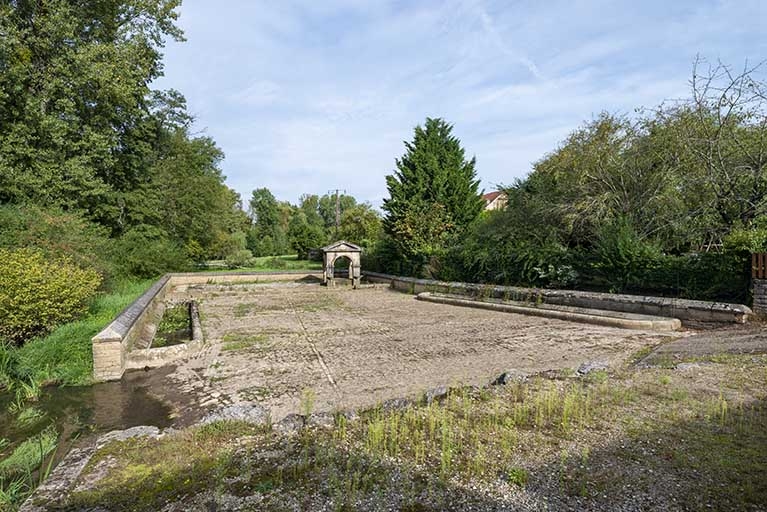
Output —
<point x="24" y="468"/>
<point x="65" y="356"/>
<point x="29" y="455"/>
<point x="273" y="264"/>
<point x="240" y="341"/>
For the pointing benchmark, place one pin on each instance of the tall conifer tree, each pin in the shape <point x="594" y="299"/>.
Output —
<point x="433" y="193"/>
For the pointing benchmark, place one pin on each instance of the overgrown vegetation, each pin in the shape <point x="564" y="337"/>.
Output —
<point x="25" y="467"/>
<point x="575" y="441"/>
<point x="101" y="177"/>
<point x="64" y="356"/>
<point x="37" y="294"/>
<point x="175" y="327"/>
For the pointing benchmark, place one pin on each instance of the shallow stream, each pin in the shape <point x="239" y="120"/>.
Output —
<point x="79" y="413"/>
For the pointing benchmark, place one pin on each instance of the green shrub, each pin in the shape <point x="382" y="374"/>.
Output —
<point x="57" y="234"/>
<point x="275" y="262"/>
<point x="36" y="294"/>
<point x="239" y="259"/>
<point x="621" y="257"/>
<point x="147" y="253"/>
<point x="65" y="355"/>
<point x="305" y="236"/>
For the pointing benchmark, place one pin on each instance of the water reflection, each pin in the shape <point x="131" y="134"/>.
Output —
<point x="80" y="412"/>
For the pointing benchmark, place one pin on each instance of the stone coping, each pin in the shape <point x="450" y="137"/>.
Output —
<point x="683" y="309"/>
<point x="582" y="315"/>
<point x="123" y="322"/>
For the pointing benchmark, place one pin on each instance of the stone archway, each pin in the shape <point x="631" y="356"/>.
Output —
<point x="338" y="250"/>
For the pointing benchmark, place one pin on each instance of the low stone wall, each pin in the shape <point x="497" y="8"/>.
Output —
<point x="128" y="328"/>
<point x="685" y="310"/>
<point x="618" y="319"/>
<point x="124" y="343"/>
<point x="195" y="278"/>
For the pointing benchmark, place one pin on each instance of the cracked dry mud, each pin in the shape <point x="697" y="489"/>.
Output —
<point x="286" y="345"/>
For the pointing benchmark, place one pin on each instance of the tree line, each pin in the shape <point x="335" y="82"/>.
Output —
<point x="94" y="163"/>
<point x="670" y="201"/>
<point x="278" y="227"/>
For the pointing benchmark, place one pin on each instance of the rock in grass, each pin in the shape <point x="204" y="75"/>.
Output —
<point x="247" y="412"/>
<point x="122" y="435"/>
<point x="289" y="424"/>
<point x="436" y="394"/>
<point x="396" y="404"/>
<point x="683" y="367"/>
<point x="320" y="420"/>
<point x="591" y="366"/>
<point x="510" y="376"/>
<point x="350" y="415"/>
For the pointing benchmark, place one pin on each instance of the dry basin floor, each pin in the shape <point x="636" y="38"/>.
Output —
<point x="293" y="346"/>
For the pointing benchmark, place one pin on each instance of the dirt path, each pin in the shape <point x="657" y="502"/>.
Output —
<point x="294" y="346"/>
<point x="705" y="341"/>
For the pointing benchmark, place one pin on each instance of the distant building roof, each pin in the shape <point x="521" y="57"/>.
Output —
<point x="495" y="200"/>
<point x="490" y="196"/>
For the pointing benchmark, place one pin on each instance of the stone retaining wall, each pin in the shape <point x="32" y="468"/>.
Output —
<point x="685" y="310"/>
<point x="160" y="356"/>
<point x="133" y="329"/>
<point x="137" y="322"/>
<point x="760" y="296"/>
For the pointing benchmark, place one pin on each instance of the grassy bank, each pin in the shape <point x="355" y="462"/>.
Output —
<point x="65" y="357"/>
<point x="650" y="439"/>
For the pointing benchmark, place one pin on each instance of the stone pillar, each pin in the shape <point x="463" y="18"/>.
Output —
<point x="108" y="355"/>
<point x="760" y="296"/>
<point x="355" y="274"/>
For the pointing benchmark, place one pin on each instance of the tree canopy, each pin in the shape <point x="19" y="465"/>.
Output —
<point x="82" y="131"/>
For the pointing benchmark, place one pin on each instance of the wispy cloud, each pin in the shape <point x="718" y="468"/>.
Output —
<point x="307" y="96"/>
<point x="260" y="93"/>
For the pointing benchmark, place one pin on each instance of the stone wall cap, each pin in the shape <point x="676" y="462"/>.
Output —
<point x="672" y="302"/>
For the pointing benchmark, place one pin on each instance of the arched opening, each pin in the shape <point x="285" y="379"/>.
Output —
<point x="342" y="267"/>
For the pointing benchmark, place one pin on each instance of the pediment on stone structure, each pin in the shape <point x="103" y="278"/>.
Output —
<point x="342" y="246"/>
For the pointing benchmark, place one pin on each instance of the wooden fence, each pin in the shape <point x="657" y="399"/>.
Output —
<point x="759" y="265"/>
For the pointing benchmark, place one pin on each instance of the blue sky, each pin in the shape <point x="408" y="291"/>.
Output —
<point x="304" y="97"/>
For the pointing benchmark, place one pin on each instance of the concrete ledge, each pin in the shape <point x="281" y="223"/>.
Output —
<point x="683" y="309"/>
<point x="581" y="315"/>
